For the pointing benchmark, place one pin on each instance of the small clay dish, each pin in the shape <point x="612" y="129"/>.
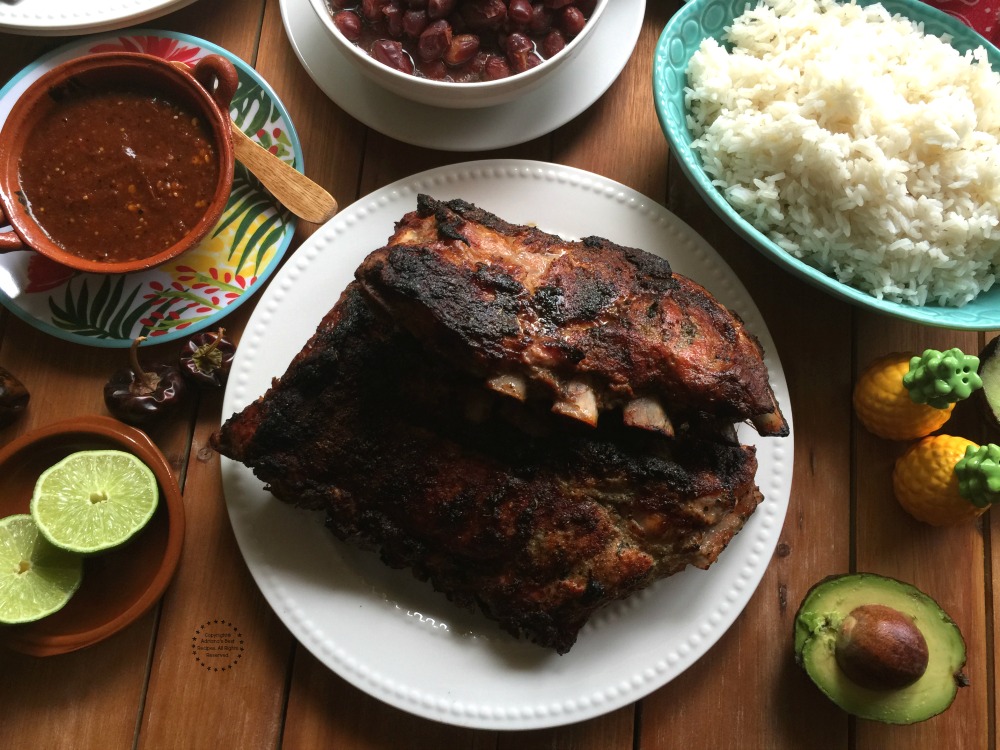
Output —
<point x="163" y="170"/>
<point x="119" y="585"/>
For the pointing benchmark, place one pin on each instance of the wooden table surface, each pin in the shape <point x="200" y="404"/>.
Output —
<point x="143" y="688"/>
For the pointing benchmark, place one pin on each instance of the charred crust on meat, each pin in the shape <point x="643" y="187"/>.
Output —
<point x="518" y="301"/>
<point x="584" y="299"/>
<point x="537" y="519"/>
<point x="653" y="270"/>
<point x="594" y="592"/>
<point x="369" y="425"/>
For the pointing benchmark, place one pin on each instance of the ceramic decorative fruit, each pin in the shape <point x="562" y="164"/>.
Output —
<point x="944" y="480"/>
<point x="902" y="396"/>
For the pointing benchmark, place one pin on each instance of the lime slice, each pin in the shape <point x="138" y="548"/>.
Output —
<point x="94" y="500"/>
<point x="36" y="577"/>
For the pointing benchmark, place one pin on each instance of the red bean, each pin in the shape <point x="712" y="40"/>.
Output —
<point x="435" y="70"/>
<point x="541" y="20"/>
<point x="484" y="15"/>
<point x="495" y="68"/>
<point x="391" y="53"/>
<point x="349" y="24"/>
<point x="553" y="43"/>
<point x="372" y="9"/>
<point x="461" y="40"/>
<point x="518" y="48"/>
<point x="414" y="22"/>
<point x="519" y="11"/>
<point x="462" y="49"/>
<point x="439" y="8"/>
<point x="393" y="14"/>
<point x="571" y="21"/>
<point x="434" y="41"/>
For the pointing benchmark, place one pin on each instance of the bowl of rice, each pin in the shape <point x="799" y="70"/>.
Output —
<point x="855" y="144"/>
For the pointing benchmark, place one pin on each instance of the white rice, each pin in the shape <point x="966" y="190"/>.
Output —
<point x="857" y="144"/>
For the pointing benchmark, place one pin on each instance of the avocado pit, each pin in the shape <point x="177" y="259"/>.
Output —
<point x="880" y="648"/>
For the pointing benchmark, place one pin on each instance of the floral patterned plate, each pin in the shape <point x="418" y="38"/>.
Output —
<point x="199" y="287"/>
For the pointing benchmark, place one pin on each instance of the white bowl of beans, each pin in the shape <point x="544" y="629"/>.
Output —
<point x="459" y="53"/>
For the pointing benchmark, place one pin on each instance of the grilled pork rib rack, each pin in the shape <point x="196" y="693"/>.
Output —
<point x="501" y="502"/>
<point x="589" y="325"/>
<point x="538" y="529"/>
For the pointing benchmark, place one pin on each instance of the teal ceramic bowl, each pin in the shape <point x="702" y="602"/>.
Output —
<point x="683" y="34"/>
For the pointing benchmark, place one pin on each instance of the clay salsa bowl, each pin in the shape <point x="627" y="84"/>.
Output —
<point x="119" y="585"/>
<point x="166" y="183"/>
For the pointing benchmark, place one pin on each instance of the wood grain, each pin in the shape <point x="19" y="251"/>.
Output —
<point x="946" y="563"/>
<point x="149" y="686"/>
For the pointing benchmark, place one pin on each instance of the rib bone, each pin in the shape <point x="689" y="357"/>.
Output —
<point x="771" y="423"/>
<point x="509" y="384"/>
<point x="578" y="401"/>
<point x="647" y="413"/>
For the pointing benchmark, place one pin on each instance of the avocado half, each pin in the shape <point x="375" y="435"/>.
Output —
<point x="988" y="397"/>
<point x="817" y="625"/>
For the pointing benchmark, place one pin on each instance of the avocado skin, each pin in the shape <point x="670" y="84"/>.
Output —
<point x="818" y="620"/>
<point x="986" y="398"/>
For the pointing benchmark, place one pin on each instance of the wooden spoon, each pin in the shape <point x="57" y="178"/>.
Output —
<point x="294" y="190"/>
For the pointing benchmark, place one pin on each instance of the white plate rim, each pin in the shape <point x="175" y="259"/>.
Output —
<point x="570" y="90"/>
<point x="325" y="609"/>
<point x="47" y="18"/>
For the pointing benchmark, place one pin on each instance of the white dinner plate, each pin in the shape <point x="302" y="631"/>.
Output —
<point x="393" y="636"/>
<point x="62" y="17"/>
<point x="568" y="92"/>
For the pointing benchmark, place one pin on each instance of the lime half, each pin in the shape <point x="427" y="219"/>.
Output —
<point x="94" y="500"/>
<point x="36" y="577"/>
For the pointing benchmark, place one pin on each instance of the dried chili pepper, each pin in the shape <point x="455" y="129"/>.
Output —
<point x="140" y="396"/>
<point x="207" y="357"/>
<point x="14" y="397"/>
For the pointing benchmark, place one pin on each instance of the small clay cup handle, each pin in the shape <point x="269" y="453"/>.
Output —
<point x="9" y="241"/>
<point x="219" y="77"/>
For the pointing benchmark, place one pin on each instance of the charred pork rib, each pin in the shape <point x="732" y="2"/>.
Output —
<point x="537" y="529"/>
<point x="591" y="325"/>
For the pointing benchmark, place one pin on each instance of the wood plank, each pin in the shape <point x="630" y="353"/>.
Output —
<point x="755" y="657"/>
<point x="213" y="599"/>
<point x="326" y="711"/>
<point x="749" y="677"/>
<point x="613" y="730"/>
<point x="332" y="141"/>
<point x="593" y="142"/>
<point x="594" y="139"/>
<point x="946" y="563"/>
<point x="212" y="607"/>
<point x="78" y="701"/>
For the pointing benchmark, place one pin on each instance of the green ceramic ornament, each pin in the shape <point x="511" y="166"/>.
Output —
<point x="978" y="473"/>
<point x="939" y="378"/>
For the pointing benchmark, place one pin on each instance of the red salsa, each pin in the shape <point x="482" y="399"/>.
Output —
<point x="118" y="175"/>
